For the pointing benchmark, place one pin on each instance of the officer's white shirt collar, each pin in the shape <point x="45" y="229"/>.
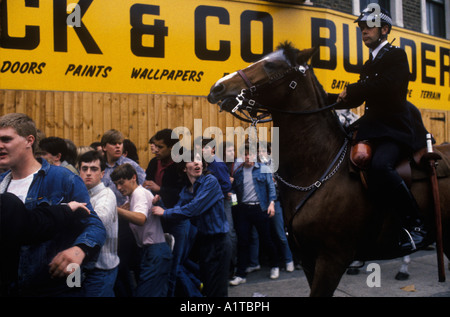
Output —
<point x="375" y="51"/>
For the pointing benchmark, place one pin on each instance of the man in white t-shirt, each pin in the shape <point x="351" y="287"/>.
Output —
<point x="156" y="256"/>
<point x="43" y="267"/>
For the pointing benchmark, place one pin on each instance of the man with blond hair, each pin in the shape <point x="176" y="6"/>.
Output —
<point x="43" y="267"/>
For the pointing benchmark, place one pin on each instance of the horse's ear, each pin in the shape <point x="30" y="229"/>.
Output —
<point x="305" y="55"/>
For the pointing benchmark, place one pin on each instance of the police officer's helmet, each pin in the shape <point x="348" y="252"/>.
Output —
<point x="374" y="12"/>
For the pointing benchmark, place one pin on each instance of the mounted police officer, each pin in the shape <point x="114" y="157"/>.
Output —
<point x="391" y="124"/>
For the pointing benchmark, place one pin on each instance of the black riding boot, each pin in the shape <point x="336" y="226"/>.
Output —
<point x="408" y="210"/>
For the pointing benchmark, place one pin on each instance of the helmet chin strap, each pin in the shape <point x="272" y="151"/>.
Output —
<point x="381" y="38"/>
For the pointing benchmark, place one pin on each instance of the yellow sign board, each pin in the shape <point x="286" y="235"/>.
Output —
<point x="182" y="47"/>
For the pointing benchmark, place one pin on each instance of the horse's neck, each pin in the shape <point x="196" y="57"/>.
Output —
<point x="308" y="143"/>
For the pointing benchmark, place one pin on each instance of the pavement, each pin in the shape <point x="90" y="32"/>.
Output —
<point x="375" y="279"/>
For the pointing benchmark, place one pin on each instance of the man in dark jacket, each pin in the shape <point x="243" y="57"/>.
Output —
<point x="163" y="179"/>
<point x="390" y="122"/>
<point x="19" y="226"/>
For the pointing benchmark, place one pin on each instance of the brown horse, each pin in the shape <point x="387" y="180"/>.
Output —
<point x="330" y="217"/>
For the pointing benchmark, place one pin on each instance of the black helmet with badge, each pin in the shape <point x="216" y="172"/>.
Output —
<point x="376" y="15"/>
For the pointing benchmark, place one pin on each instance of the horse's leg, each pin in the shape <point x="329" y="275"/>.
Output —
<point x="327" y="275"/>
<point x="403" y="273"/>
<point x="308" y="266"/>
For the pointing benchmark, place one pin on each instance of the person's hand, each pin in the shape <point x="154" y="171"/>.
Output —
<point x="157" y="211"/>
<point x="271" y="210"/>
<point x="59" y="264"/>
<point x="156" y="199"/>
<point x="125" y="206"/>
<point x="342" y="96"/>
<point x="151" y="185"/>
<point x="74" y="205"/>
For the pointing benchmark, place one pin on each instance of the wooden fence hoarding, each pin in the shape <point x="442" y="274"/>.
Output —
<point x="83" y="117"/>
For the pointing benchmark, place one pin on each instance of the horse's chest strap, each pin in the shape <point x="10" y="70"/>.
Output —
<point x="311" y="189"/>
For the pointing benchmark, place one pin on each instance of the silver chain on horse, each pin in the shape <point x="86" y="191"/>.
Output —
<point x="318" y="183"/>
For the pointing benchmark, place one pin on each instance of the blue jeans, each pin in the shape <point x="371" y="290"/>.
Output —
<point x="280" y="238"/>
<point x="100" y="283"/>
<point x="156" y="260"/>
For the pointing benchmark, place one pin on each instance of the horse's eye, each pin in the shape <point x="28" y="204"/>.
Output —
<point x="270" y="67"/>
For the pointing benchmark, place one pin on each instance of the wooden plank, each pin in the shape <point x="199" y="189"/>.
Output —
<point x="170" y="108"/>
<point x="2" y="102"/>
<point x="133" y="128"/>
<point x="142" y="129"/>
<point x="151" y="120"/>
<point x="103" y="118"/>
<point x="59" y="114"/>
<point x="19" y="101"/>
<point x="115" y="116"/>
<point x="67" y="127"/>
<point x="87" y="118"/>
<point x="39" y="111"/>
<point x="30" y="100"/>
<point x="77" y="137"/>
<point x="49" y="114"/>
<point x="123" y="115"/>
<point x="435" y="122"/>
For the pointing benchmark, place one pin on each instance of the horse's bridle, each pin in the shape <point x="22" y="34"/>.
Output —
<point x="249" y="107"/>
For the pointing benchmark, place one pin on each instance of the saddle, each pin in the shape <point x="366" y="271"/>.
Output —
<point x="410" y="169"/>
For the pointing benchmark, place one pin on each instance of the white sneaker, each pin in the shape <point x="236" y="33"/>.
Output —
<point x="170" y="240"/>
<point x="290" y="266"/>
<point x="237" y="280"/>
<point x="251" y="269"/>
<point x="274" y="273"/>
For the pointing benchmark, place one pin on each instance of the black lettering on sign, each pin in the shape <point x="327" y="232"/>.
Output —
<point x="427" y="62"/>
<point x="426" y="94"/>
<point x="22" y="68"/>
<point x="201" y="42"/>
<point x="329" y="42"/>
<point x="166" y="74"/>
<point x="60" y="27"/>
<point x="247" y="17"/>
<point x="88" y="70"/>
<point x="158" y="30"/>
<point x="444" y="68"/>
<point x="31" y="39"/>
<point x="349" y="67"/>
<point x="339" y="84"/>
<point x="404" y="43"/>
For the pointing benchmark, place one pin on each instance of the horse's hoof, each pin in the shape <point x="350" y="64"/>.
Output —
<point x="402" y="276"/>
<point x="352" y="271"/>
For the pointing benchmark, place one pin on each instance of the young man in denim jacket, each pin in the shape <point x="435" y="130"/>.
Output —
<point x="256" y="195"/>
<point x="43" y="266"/>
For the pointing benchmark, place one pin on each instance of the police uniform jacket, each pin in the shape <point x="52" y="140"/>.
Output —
<point x="383" y="85"/>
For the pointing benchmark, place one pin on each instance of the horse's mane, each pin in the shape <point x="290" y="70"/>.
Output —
<point x="289" y="51"/>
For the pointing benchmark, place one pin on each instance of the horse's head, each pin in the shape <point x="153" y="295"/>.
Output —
<point x="263" y="83"/>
